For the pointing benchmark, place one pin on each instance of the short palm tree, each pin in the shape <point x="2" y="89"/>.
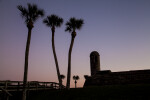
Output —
<point x="31" y="14"/>
<point x="71" y="26"/>
<point x="76" y="78"/>
<point x="53" y="21"/>
<point x="62" y="77"/>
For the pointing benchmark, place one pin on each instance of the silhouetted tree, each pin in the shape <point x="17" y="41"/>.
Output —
<point x="76" y="78"/>
<point x="62" y="77"/>
<point x="31" y="14"/>
<point x="53" y="21"/>
<point x="71" y="26"/>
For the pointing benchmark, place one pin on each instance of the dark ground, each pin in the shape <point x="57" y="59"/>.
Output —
<point x="121" y="92"/>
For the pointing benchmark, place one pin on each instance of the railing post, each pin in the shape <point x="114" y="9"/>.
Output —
<point x="21" y="85"/>
<point x="44" y="85"/>
<point x="28" y="86"/>
<point x="51" y="85"/>
<point x="18" y="86"/>
<point x="55" y="85"/>
<point x="36" y="85"/>
<point x="6" y="85"/>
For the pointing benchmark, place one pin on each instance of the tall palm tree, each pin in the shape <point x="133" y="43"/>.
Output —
<point x="71" y="26"/>
<point x="31" y="14"/>
<point x="76" y="78"/>
<point x="53" y="21"/>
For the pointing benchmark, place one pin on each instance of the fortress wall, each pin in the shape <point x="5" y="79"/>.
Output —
<point x="119" y="78"/>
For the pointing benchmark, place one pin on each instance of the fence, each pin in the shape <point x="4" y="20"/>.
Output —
<point x="31" y="85"/>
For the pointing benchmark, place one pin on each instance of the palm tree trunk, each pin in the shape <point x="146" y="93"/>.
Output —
<point x="30" y="26"/>
<point x="75" y="84"/>
<point x="69" y="62"/>
<point x="55" y="57"/>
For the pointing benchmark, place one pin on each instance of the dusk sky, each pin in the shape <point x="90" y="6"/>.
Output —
<point x="118" y="29"/>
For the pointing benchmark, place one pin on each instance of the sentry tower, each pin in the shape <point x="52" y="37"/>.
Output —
<point x="94" y="62"/>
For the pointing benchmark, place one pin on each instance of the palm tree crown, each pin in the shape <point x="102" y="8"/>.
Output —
<point x="62" y="76"/>
<point x="74" y="24"/>
<point x="53" y="21"/>
<point x="76" y="77"/>
<point x="32" y="13"/>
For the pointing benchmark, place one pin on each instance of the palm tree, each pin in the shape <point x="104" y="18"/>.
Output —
<point x="71" y="26"/>
<point x="62" y="76"/>
<point x="31" y="14"/>
<point x="53" y="21"/>
<point x="76" y="78"/>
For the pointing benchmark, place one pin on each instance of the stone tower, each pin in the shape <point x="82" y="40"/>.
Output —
<point x="94" y="62"/>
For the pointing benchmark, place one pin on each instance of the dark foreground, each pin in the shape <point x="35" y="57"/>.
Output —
<point x="121" y="92"/>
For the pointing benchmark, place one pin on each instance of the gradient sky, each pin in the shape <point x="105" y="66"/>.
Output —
<point x="118" y="29"/>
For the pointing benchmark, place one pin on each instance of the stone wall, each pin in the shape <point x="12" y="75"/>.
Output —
<point x="118" y="78"/>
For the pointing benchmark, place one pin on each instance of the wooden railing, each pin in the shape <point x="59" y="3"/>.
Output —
<point x="31" y="85"/>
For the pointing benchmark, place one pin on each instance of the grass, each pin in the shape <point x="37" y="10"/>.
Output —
<point x="118" y="92"/>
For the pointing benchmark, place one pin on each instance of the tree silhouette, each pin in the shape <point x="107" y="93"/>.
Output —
<point x="53" y="21"/>
<point x="71" y="26"/>
<point x="31" y="14"/>
<point x="76" y="78"/>
<point x="62" y="77"/>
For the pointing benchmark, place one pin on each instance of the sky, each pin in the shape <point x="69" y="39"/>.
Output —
<point x="118" y="29"/>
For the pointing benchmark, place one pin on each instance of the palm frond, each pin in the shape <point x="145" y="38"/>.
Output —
<point x="68" y="29"/>
<point x="79" y="24"/>
<point x="24" y="12"/>
<point x="59" y="22"/>
<point x="40" y="12"/>
<point x="45" y="21"/>
<point x="69" y="26"/>
<point x="74" y="77"/>
<point x="77" y="78"/>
